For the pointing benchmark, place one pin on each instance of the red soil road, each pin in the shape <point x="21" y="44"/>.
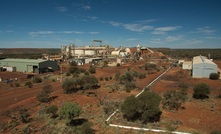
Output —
<point x="9" y="99"/>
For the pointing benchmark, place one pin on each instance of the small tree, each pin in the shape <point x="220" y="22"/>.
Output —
<point x="52" y="110"/>
<point x="214" y="76"/>
<point x="201" y="91"/>
<point x="44" y="95"/>
<point x="92" y="70"/>
<point x="145" y="107"/>
<point x="69" y="110"/>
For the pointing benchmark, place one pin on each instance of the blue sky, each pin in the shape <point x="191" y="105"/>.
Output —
<point x="150" y="23"/>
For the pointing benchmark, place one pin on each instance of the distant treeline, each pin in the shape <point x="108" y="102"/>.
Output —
<point x="190" y="53"/>
<point x="27" y="53"/>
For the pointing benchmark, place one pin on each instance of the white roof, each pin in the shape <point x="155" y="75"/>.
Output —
<point x="202" y="59"/>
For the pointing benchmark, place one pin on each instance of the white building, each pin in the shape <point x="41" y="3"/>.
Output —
<point x="187" y="65"/>
<point x="203" y="67"/>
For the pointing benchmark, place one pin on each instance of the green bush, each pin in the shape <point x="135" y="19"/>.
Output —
<point x="118" y="64"/>
<point x="173" y="100"/>
<point x="52" y="110"/>
<point x="201" y="91"/>
<point x="87" y="86"/>
<point x="214" y="76"/>
<point x="144" y="107"/>
<point x="69" y="110"/>
<point x="37" y="80"/>
<point x="101" y="78"/>
<point x="92" y="70"/>
<point x="106" y="78"/>
<point x="28" y="84"/>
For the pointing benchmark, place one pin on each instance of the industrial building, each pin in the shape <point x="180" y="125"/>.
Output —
<point x="202" y="67"/>
<point x="29" y="65"/>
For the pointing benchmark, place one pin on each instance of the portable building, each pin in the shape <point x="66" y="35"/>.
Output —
<point x="30" y="65"/>
<point x="187" y="65"/>
<point x="203" y="67"/>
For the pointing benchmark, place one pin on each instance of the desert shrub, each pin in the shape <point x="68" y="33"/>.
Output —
<point x="69" y="110"/>
<point x="101" y="78"/>
<point x="16" y="84"/>
<point x="52" y="110"/>
<point x="201" y="91"/>
<point x="118" y="64"/>
<point x="150" y="66"/>
<point x="129" y="86"/>
<point x="86" y="128"/>
<point x="23" y="115"/>
<point x="13" y="123"/>
<point x="28" y="84"/>
<point x="106" y="78"/>
<point x="110" y="78"/>
<point x="144" y="108"/>
<point x="127" y="77"/>
<point x="216" y="132"/>
<point x="4" y="126"/>
<point x="92" y="70"/>
<point x="89" y="79"/>
<point x="214" y="76"/>
<point x="86" y="73"/>
<point x="87" y="86"/>
<point x="142" y="75"/>
<point x="68" y="74"/>
<point x="73" y="63"/>
<point x="43" y="96"/>
<point x="71" y="85"/>
<point x="173" y="100"/>
<point x="37" y="80"/>
<point x="117" y="76"/>
<point x="110" y="105"/>
<point x="183" y="88"/>
<point x="74" y="69"/>
<point x="47" y="88"/>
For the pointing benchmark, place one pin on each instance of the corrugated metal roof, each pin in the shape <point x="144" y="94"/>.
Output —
<point x="24" y="60"/>
<point x="202" y="59"/>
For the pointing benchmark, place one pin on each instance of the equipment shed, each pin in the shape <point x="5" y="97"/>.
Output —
<point x="203" y="67"/>
<point x="30" y="65"/>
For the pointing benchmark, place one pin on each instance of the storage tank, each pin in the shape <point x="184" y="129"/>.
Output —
<point x="116" y="53"/>
<point x="89" y="52"/>
<point x="128" y="50"/>
<point x="79" y="52"/>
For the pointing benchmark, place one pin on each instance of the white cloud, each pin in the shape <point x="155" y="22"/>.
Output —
<point x="137" y="27"/>
<point x="132" y="39"/>
<point x="163" y="30"/>
<point x="9" y="31"/>
<point x="193" y="42"/>
<point x="41" y="32"/>
<point x="86" y="7"/>
<point x="173" y="38"/>
<point x="206" y="30"/>
<point x="156" y="41"/>
<point x="62" y="9"/>
<point x="92" y="17"/>
<point x="213" y="37"/>
<point x="116" y="24"/>
<point x="93" y="32"/>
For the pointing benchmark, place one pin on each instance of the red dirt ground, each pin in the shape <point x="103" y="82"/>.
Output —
<point x="196" y="117"/>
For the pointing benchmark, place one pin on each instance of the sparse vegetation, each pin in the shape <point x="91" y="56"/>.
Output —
<point x="69" y="110"/>
<point x="44" y="95"/>
<point x="173" y="100"/>
<point x="201" y="91"/>
<point x="52" y="110"/>
<point x="28" y="84"/>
